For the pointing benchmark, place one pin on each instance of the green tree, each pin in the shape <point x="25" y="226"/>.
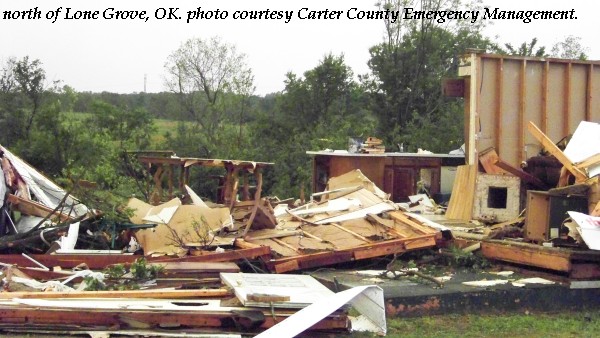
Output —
<point x="407" y="69"/>
<point x="525" y="49"/>
<point x="30" y="78"/>
<point x="317" y="111"/>
<point x="569" y="48"/>
<point x="212" y="80"/>
<point x="130" y="128"/>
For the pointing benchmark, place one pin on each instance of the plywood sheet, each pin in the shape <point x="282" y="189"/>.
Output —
<point x="460" y="206"/>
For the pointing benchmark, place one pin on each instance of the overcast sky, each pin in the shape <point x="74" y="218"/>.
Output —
<point x="116" y="55"/>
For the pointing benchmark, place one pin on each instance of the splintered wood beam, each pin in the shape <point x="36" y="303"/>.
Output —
<point x="554" y="150"/>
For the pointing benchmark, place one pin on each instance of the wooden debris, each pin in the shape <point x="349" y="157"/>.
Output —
<point x="554" y="150"/>
<point x="570" y="261"/>
<point x="373" y="145"/>
<point x="461" y="203"/>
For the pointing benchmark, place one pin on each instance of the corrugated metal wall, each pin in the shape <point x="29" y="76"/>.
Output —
<point x="504" y="93"/>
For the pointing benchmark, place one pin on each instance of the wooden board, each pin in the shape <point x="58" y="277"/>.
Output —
<point x="533" y="255"/>
<point x="460" y="206"/>
<point x="31" y="317"/>
<point x="377" y="249"/>
<point x="554" y="150"/>
<point x="537" y="216"/>
<point x="98" y="262"/>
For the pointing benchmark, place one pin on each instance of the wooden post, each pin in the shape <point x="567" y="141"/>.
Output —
<point x="257" y="193"/>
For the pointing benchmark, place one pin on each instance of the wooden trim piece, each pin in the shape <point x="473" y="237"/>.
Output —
<point x="567" y="101"/>
<point x="522" y="108"/>
<point x="589" y="93"/>
<point x="158" y="294"/>
<point x="499" y="106"/>
<point x="554" y="150"/>
<point x="545" y="75"/>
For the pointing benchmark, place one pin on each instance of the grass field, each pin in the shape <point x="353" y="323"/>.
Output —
<point x="566" y="324"/>
<point x="161" y="125"/>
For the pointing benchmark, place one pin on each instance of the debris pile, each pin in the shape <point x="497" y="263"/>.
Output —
<point x="521" y="220"/>
<point x="180" y="264"/>
<point x="372" y="145"/>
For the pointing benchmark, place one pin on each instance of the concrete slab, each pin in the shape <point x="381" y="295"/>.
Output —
<point x="409" y="297"/>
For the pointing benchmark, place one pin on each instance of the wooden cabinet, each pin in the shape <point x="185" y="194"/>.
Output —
<point x="545" y="213"/>
<point x="398" y="174"/>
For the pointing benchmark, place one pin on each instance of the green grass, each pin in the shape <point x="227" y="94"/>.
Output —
<point x="566" y="324"/>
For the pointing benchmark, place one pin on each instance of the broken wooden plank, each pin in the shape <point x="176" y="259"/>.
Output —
<point x="554" y="150"/>
<point x="526" y="177"/>
<point x="32" y="208"/>
<point x="488" y="159"/>
<point x="531" y="255"/>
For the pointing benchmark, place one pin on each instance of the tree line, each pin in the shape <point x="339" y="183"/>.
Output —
<point x="209" y="91"/>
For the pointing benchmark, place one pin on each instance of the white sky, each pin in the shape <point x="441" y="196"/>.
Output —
<point x="115" y="55"/>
